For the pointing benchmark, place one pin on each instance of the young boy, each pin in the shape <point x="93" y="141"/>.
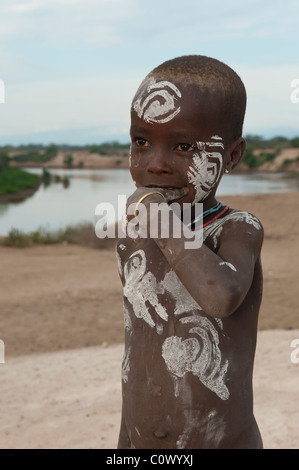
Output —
<point x="190" y="313"/>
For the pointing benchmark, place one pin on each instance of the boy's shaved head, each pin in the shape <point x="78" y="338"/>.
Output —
<point x="211" y="78"/>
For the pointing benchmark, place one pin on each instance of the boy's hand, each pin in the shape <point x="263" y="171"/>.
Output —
<point x="139" y="203"/>
<point x="170" y="195"/>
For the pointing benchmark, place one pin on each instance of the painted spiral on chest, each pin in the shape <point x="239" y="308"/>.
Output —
<point x="198" y="354"/>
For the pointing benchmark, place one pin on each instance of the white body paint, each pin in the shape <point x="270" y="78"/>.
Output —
<point x="198" y="354"/>
<point x="225" y="263"/>
<point x="126" y="366"/>
<point x="184" y="302"/>
<point x="127" y="320"/>
<point x="210" y="425"/>
<point x="216" y="236"/>
<point x="118" y="260"/>
<point x="202" y="358"/>
<point x="215" y="228"/>
<point x="158" y="103"/>
<point x="141" y="287"/>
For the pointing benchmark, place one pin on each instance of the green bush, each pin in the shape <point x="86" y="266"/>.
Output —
<point x="82" y="234"/>
<point x="68" y="160"/>
<point x="13" y="180"/>
<point x="295" y="142"/>
<point x="4" y="160"/>
<point x="267" y="156"/>
<point x="37" y="156"/>
<point x="249" y="159"/>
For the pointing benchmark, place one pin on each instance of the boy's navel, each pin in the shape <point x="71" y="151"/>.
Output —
<point x="160" y="434"/>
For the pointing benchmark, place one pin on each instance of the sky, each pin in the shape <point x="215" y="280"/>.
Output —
<point x="70" y="68"/>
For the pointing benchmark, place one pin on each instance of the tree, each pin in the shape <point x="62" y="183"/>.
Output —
<point x="4" y="160"/>
<point x="68" y="160"/>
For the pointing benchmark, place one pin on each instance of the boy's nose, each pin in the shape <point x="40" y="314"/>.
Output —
<point x="159" y="163"/>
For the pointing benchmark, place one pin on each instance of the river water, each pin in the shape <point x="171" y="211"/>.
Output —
<point x="55" y="206"/>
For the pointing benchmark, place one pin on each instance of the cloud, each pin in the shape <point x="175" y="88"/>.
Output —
<point x="74" y="64"/>
<point x="269" y="96"/>
<point x="65" y="21"/>
<point x="105" y="23"/>
<point x="104" y="103"/>
<point x="67" y="104"/>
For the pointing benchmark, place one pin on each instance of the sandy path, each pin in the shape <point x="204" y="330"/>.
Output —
<point x="71" y="399"/>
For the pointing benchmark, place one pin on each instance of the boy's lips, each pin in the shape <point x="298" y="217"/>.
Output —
<point x="182" y="191"/>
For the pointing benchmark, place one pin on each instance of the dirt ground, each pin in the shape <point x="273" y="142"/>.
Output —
<point x="62" y="325"/>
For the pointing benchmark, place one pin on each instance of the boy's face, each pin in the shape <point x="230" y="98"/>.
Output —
<point x="175" y="141"/>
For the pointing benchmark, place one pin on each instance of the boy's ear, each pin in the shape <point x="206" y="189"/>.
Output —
<point x="235" y="154"/>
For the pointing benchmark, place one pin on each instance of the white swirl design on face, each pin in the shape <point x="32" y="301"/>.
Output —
<point x="158" y="103"/>
<point x="206" y="170"/>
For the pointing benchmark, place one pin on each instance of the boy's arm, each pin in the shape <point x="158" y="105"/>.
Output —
<point x="217" y="282"/>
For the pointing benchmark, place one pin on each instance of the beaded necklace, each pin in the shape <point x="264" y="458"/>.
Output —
<point x="205" y="213"/>
<point x="225" y="209"/>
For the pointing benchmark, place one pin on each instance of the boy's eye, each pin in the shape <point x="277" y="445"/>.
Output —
<point x="185" y="147"/>
<point x="141" y="142"/>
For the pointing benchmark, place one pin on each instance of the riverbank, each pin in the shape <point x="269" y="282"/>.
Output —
<point x="62" y="325"/>
<point x="286" y="160"/>
<point x="17" y="184"/>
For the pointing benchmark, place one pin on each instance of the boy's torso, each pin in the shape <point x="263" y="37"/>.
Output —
<point x="186" y="376"/>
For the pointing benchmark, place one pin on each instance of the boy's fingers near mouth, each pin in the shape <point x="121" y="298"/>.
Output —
<point x="174" y="194"/>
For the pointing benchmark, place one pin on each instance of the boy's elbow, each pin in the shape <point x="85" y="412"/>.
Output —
<point x="226" y="303"/>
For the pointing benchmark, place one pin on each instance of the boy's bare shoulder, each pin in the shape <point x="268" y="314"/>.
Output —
<point x="238" y="232"/>
<point x="236" y="222"/>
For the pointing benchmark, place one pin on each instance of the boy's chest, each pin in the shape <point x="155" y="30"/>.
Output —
<point x="166" y="329"/>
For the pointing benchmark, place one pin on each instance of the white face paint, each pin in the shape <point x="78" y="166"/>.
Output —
<point x="206" y="170"/>
<point x="158" y="102"/>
